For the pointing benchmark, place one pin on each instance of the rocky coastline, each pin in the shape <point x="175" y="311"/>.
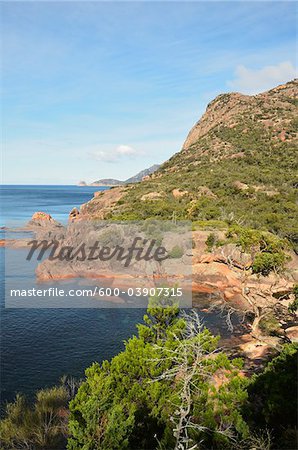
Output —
<point x="225" y="283"/>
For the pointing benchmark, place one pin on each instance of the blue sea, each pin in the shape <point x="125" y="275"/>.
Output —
<point x="38" y="346"/>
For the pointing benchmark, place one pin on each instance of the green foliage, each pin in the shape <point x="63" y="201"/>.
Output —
<point x="176" y="252"/>
<point x="211" y="241"/>
<point x="264" y="263"/>
<point x="204" y="209"/>
<point x="258" y="240"/>
<point x="128" y="403"/>
<point x="266" y="249"/>
<point x="269" y="325"/>
<point x="293" y="307"/>
<point x="209" y="225"/>
<point x="272" y="399"/>
<point x="38" y="427"/>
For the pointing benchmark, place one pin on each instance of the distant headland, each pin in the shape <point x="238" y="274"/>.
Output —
<point x="113" y="182"/>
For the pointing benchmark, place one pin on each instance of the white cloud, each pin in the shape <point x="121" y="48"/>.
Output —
<point x="250" y="81"/>
<point x="116" y="154"/>
<point x="125" y="150"/>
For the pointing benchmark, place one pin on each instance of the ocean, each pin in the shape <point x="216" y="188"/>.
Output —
<point x="38" y="346"/>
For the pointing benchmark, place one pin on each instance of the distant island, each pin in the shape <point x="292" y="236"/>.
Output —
<point x="141" y="176"/>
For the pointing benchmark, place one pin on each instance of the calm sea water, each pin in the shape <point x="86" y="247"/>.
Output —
<point x="38" y="346"/>
<point x="20" y="202"/>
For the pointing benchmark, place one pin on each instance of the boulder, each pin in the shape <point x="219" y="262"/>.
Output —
<point x="42" y="219"/>
<point x="74" y="214"/>
<point x="240" y="186"/>
<point x="178" y="193"/>
<point x="151" y="196"/>
<point x="292" y="333"/>
<point x="216" y="275"/>
<point x="204" y="191"/>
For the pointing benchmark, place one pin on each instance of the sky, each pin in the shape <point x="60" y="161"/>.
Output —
<point x="96" y="90"/>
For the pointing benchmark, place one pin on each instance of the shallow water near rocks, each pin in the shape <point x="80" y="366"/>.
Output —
<point x="38" y="346"/>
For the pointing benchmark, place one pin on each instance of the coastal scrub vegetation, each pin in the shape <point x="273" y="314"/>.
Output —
<point x="293" y="306"/>
<point x="268" y="251"/>
<point x="170" y="388"/>
<point x="42" y="425"/>
<point x="160" y="392"/>
<point x="39" y="426"/>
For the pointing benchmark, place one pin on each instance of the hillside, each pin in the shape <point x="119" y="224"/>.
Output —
<point x="113" y="182"/>
<point x="144" y="173"/>
<point x="107" y="182"/>
<point x="238" y="163"/>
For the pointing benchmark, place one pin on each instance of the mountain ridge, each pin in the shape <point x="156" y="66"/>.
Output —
<point x="114" y="182"/>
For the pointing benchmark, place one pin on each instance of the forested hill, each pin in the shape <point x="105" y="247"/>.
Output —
<point x="239" y="162"/>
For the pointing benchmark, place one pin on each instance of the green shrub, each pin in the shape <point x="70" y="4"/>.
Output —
<point x="176" y="252"/>
<point x="211" y="241"/>
<point x="133" y="401"/>
<point x="41" y="426"/>
<point x="266" y="249"/>
<point x="264" y="263"/>
<point x="293" y="307"/>
<point x="272" y="398"/>
<point x="269" y="325"/>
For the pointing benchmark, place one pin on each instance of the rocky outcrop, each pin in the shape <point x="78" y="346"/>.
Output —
<point x="204" y="191"/>
<point x="227" y="108"/>
<point x="42" y="219"/>
<point x="225" y="155"/>
<point x="110" y="236"/>
<point x="292" y="333"/>
<point x="152" y="196"/>
<point x="74" y="214"/>
<point x="240" y="186"/>
<point x="224" y="272"/>
<point x="101" y="204"/>
<point x="41" y="226"/>
<point x="178" y="193"/>
<point x="217" y="277"/>
<point x="44" y="227"/>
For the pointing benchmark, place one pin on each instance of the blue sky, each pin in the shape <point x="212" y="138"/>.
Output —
<point x="104" y="89"/>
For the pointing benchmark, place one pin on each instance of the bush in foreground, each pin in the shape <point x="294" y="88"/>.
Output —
<point x="169" y="388"/>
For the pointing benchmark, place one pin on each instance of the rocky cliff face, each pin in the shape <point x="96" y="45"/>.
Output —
<point x="271" y="109"/>
<point x="271" y="113"/>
